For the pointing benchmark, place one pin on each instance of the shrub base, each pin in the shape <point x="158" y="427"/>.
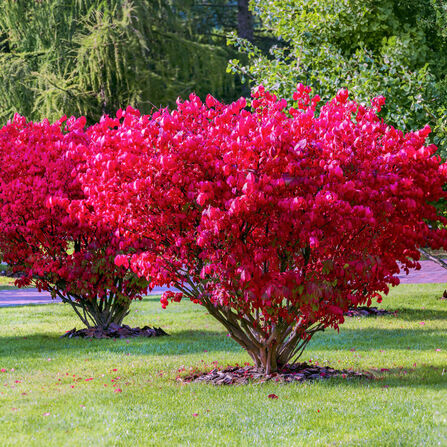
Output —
<point x="364" y="311"/>
<point x="115" y="331"/>
<point x="299" y="372"/>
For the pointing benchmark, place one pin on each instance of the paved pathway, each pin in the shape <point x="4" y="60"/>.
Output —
<point x="20" y="297"/>
<point x="429" y="273"/>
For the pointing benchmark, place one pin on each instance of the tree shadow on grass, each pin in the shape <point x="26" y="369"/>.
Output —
<point x="409" y="314"/>
<point x="179" y="343"/>
<point x="424" y="376"/>
<point x="374" y="339"/>
<point x="185" y="342"/>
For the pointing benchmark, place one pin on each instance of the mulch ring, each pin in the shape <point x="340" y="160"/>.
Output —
<point x="364" y="311"/>
<point x="115" y="331"/>
<point x="299" y="372"/>
<point x="10" y="274"/>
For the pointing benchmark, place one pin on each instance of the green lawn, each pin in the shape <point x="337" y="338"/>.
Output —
<point x="5" y="282"/>
<point x="47" y="399"/>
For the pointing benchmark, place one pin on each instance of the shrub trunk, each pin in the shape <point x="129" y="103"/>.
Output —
<point x="270" y="348"/>
<point x="98" y="312"/>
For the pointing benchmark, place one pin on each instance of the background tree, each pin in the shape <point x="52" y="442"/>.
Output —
<point x="373" y="47"/>
<point x="218" y="15"/>
<point x="89" y="57"/>
<point x="245" y="20"/>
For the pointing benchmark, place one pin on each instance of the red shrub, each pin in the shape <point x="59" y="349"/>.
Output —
<point x="275" y="220"/>
<point x="73" y="259"/>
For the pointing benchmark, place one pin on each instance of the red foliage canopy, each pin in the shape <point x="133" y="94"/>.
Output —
<point x="275" y="219"/>
<point x="55" y="250"/>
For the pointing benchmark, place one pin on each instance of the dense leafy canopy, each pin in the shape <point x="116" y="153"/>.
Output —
<point x="372" y="47"/>
<point x="274" y="219"/>
<point x="73" y="259"/>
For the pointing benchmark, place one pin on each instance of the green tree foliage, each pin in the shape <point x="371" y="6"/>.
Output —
<point x="89" y="57"/>
<point x="372" y="47"/>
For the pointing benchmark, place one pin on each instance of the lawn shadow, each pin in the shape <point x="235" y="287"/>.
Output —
<point x="418" y="377"/>
<point x="410" y="314"/>
<point x="184" y="342"/>
<point x="373" y="339"/>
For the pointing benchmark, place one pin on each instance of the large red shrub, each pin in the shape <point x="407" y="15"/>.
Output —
<point x="276" y="220"/>
<point x="73" y="259"/>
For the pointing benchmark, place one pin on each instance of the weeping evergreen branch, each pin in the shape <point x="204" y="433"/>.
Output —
<point x="89" y="57"/>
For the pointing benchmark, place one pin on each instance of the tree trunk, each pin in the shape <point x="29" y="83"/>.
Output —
<point x="438" y="261"/>
<point x="244" y="20"/>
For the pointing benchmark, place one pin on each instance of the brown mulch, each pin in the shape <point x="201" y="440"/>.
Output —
<point x="364" y="311"/>
<point x="115" y="331"/>
<point x="10" y="274"/>
<point x="299" y="372"/>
